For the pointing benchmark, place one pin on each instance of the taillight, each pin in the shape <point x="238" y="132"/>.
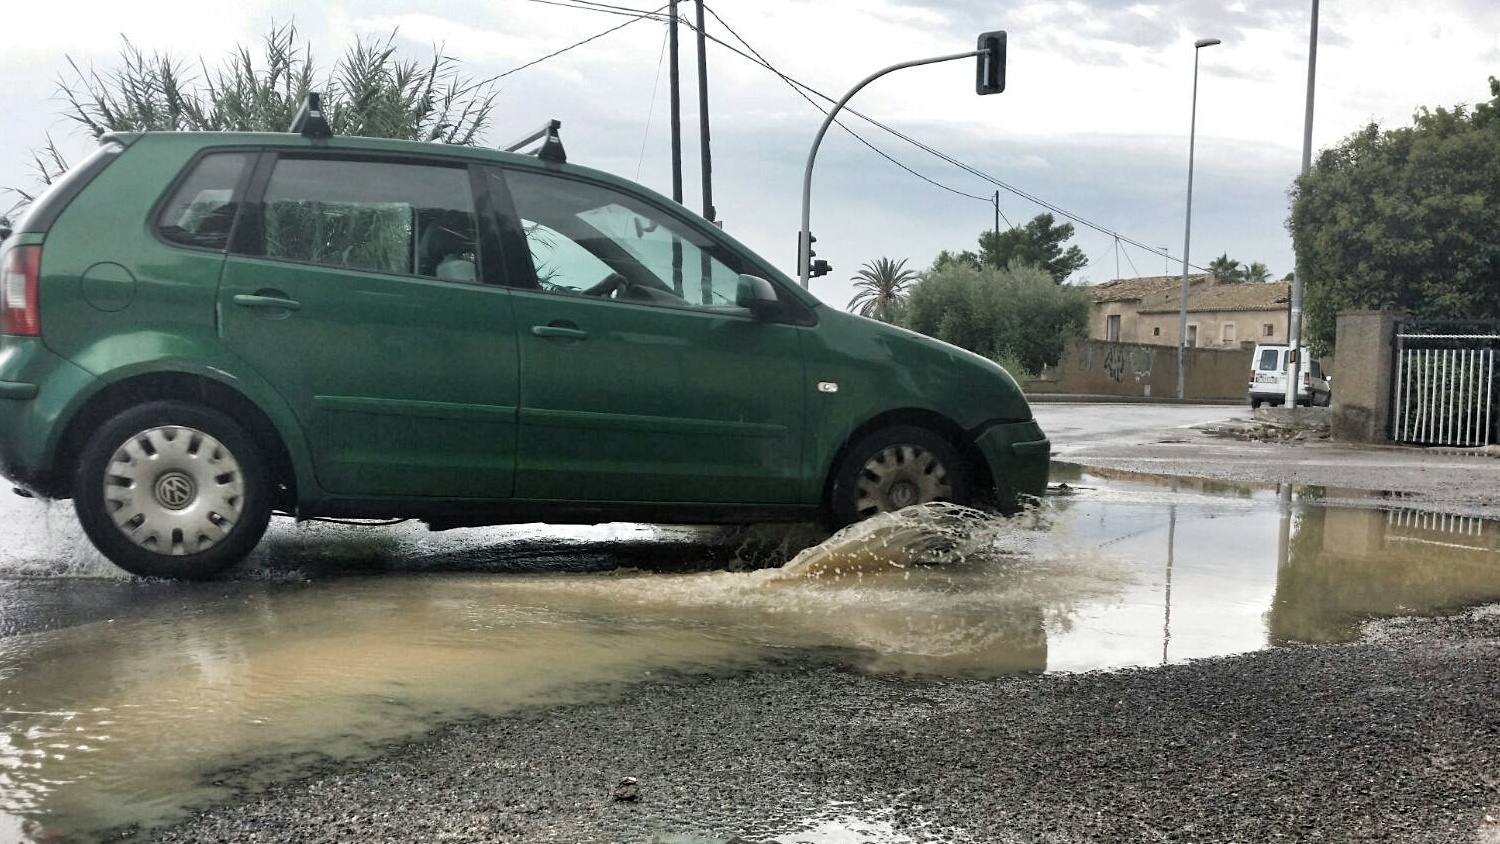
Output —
<point x="20" y="313"/>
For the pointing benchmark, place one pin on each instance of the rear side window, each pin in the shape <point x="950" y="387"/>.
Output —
<point x="388" y="217"/>
<point x="201" y="211"/>
<point x="1269" y="360"/>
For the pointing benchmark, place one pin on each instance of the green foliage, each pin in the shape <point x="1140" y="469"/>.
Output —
<point x="1019" y="313"/>
<point x="880" y="287"/>
<point x="1039" y="243"/>
<point x="1224" y="268"/>
<point x="1227" y="270"/>
<point x="370" y="90"/>
<point x="1405" y="218"/>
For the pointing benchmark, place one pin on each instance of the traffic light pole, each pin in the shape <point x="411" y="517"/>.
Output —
<point x="804" y="237"/>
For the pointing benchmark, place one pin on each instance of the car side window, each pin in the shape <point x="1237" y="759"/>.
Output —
<point x="389" y="217"/>
<point x="586" y="239"/>
<point x="201" y="211"/>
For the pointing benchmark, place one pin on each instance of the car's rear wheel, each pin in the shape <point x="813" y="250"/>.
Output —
<point x="171" y="489"/>
<point x="1254" y="404"/>
<point x="894" y="468"/>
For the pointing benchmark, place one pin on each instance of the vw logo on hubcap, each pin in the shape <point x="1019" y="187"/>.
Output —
<point x="174" y="490"/>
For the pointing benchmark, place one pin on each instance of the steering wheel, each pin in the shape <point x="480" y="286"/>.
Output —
<point x="612" y="283"/>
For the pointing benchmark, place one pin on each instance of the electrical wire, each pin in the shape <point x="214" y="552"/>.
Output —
<point x="1003" y="185"/>
<point x="576" y="44"/>
<point x="651" y="107"/>
<point x="803" y="89"/>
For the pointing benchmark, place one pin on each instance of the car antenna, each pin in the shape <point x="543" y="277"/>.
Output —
<point x="310" y="121"/>
<point x="551" y="148"/>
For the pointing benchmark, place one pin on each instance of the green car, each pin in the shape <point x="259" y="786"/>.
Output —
<point x="202" y="328"/>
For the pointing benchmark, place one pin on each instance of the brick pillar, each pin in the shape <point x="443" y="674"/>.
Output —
<point x="1362" y="383"/>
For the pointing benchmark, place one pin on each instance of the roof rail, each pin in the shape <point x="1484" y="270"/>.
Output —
<point x="551" y="147"/>
<point x="310" y="121"/>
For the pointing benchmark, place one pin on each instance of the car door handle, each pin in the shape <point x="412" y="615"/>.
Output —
<point x="561" y="332"/>
<point x="247" y="300"/>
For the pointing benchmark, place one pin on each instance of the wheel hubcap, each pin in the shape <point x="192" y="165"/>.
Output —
<point x="174" y="490"/>
<point x="900" y="476"/>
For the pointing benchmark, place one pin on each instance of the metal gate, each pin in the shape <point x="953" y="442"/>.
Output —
<point x="1444" y="392"/>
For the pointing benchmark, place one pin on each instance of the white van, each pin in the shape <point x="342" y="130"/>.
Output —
<point x="1268" y="378"/>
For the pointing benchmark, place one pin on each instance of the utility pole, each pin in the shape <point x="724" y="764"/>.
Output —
<point x="675" y="99"/>
<point x="705" y="278"/>
<point x="708" y="168"/>
<point x="1294" y="319"/>
<point x="997" y="222"/>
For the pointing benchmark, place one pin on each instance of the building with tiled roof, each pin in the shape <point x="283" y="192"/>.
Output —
<point x="1220" y="314"/>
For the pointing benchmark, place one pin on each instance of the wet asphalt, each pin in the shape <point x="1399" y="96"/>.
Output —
<point x="1393" y="739"/>
<point x="1396" y="738"/>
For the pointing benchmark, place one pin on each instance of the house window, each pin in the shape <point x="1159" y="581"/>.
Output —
<point x="1268" y="330"/>
<point x="1192" y="335"/>
<point x="1227" y="333"/>
<point x="1112" y="328"/>
<point x="1156" y="332"/>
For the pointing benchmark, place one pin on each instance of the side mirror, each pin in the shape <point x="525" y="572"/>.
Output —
<point x="757" y="296"/>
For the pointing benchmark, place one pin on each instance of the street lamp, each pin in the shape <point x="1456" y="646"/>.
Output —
<point x="1187" y="237"/>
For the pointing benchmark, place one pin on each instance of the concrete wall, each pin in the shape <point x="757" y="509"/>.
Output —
<point x="1096" y="367"/>
<point x="1362" y="390"/>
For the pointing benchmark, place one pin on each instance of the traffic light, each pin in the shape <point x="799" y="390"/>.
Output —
<point x="818" y="267"/>
<point x="990" y="68"/>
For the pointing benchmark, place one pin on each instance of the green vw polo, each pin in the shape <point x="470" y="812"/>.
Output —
<point x="201" y="329"/>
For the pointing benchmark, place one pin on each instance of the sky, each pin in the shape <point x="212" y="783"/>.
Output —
<point x="1094" y="119"/>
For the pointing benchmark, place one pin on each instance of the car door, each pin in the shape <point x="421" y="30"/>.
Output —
<point x="640" y="379"/>
<point x="364" y="289"/>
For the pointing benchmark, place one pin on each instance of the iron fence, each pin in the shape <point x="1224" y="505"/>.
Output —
<point x="1444" y="391"/>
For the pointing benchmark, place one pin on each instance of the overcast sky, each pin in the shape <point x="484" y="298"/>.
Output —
<point x="1095" y="118"/>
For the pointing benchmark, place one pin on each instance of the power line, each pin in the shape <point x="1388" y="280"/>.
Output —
<point x="793" y="84"/>
<point x="803" y="89"/>
<point x="576" y="44"/>
<point x="651" y="107"/>
<point x="1077" y="218"/>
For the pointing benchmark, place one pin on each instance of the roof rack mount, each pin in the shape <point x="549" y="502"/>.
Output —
<point x="550" y="147"/>
<point x="310" y="120"/>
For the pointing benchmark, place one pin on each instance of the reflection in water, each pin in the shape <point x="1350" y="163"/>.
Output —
<point x="132" y="720"/>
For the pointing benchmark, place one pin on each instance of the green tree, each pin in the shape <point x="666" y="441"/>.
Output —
<point x="1226" y="269"/>
<point x="880" y="288"/>
<point x="1257" y="273"/>
<point x="369" y="90"/>
<point x="1405" y="218"/>
<point x="1039" y="243"/>
<point x="1016" y="314"/>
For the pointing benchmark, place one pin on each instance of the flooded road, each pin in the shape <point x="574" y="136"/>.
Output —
<point x="127" y="702"/>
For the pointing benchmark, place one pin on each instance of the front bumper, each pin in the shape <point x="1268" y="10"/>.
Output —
<point x="1019" y="457"/>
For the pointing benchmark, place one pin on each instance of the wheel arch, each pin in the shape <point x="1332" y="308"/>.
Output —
<point x="917" y="417"/>
<point x="180" y="386"/>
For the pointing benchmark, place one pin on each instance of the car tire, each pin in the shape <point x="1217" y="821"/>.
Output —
<point x="894" y="468"/>
<point x="171" y="489"/>
<point x="1255" y="404"/>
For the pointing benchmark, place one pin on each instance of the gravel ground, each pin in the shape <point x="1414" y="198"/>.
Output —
<point x="1393" y="739"/>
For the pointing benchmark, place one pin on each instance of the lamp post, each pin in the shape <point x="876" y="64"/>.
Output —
<point x="1294" y="307"/>
<point x="1187" y="236"/>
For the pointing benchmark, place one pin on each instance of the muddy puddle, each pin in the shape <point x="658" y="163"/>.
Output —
<point x="125" y="702"/>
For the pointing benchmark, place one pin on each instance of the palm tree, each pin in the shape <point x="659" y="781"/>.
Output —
<point x="1224" y="268"/>
<point x="1257" y="273"/>
<point x="880" y="287"/>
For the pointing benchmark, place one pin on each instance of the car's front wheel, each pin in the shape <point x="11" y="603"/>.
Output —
<point x="894" y="468"/>
<point x="171" y="489"/>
